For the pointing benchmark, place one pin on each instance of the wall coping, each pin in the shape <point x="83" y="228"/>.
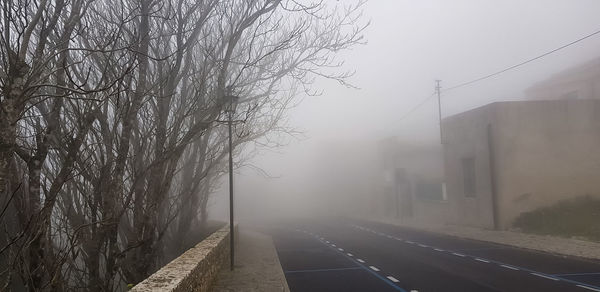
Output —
<point x="196" y="260"/>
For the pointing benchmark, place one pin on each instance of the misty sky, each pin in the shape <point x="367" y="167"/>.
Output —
<point x="410" y="44"/>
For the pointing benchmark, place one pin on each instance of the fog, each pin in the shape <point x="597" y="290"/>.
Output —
<point x="119" y="121"/>
<point x="330" y="168"/>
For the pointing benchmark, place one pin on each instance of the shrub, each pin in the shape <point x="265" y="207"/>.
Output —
<point x="577" y="217"/>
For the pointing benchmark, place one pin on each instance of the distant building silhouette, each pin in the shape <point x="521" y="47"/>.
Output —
<point x="579" y="82"/>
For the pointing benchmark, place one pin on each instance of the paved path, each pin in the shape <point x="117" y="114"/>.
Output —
<point x="257" y="268"/>
<point x="366" y="256"/>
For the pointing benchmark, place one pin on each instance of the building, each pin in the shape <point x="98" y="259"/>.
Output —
<point x="506" y="158"/>
<point x="579" y="82"/>
<point x="411" y="180"/>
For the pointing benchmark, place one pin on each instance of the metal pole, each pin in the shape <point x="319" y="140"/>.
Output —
<point x="396" y="190"/>
<point x="231" y="240"/>
<point x="437" y="89"/>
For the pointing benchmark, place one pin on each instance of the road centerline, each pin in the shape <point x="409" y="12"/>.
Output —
<point x="510" y="267"/>
<point x="557" y="277"/>
<point x="360" y="262"/>
<point x="589" y="288"/>
<point x="544" y="276"/>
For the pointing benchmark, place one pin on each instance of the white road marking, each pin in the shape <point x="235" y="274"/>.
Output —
<point x="509" y="267"/>
<point x="333" y="245"/>
<point x="340" y="249"/>
<point x="544" y="276"/>
<point x="589" y="288"/>
<point x="350" y="255"/>
<point x="327" y="242"/>
<point x="391" y="278"/>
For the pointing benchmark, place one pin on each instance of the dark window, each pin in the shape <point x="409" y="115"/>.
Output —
<point x="430" y="191"/>
<point x="468" y="165"/>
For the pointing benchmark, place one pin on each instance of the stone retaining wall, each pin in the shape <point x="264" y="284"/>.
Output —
<point x="194" y="270"/>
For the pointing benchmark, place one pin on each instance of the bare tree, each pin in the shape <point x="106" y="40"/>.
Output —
<point x="110" y="133"/>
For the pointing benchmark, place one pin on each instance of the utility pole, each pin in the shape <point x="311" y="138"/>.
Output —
<point x="231" y="229"/>
<point x="439" y="93"/>
<point x="438" y="90"/>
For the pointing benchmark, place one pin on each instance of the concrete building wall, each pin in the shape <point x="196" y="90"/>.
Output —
<point x="431" y="211"/>
<point x="541" y="152"/>
<point x="546" y="151"/>
<point x="464" y="137"/>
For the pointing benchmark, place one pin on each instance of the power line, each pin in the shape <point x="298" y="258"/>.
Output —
<point x="408" y="113"/>
<point x="522" y="63"/>
<point x="416" y="107"/>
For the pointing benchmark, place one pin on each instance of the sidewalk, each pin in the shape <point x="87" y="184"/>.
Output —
<point x="257" y="267"/>
<point x="545" y="243"/>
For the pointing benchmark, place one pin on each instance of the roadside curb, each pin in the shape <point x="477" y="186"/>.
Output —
<point x="540" y="243"/>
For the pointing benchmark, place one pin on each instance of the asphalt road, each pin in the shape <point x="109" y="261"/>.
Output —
<point x="364" y="256"/>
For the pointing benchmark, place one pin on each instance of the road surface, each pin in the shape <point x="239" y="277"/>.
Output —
<point x="365" y="256"/>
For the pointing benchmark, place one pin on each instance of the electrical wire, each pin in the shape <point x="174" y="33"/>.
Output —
<point x="416" y="107"/>
<point x="522" y="63"/>
<point x="412" y="110"/>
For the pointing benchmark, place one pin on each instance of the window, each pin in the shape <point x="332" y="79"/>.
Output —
<point x="468" y="166"/>
<point x="430" y="191"/>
